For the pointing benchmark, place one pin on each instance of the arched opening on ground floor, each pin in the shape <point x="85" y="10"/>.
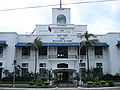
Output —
<point x="63" y="75"/>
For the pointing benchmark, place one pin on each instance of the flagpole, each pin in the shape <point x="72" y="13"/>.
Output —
<point x="49" y="29"/>
<point x="48" y="50"/>
<point x="60" y="4"/>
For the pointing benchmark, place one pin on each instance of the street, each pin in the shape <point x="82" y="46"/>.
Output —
<point x="104" y="88"/>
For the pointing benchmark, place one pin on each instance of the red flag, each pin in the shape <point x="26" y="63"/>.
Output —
<point x="33" y="31"/>
<point x="49" y="29"/>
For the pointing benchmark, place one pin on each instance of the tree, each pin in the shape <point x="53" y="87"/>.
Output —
<point x="36" y="45"/>
<point x="87" y="43"/>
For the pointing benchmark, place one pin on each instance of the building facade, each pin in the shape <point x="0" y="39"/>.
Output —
<point x="60" y="51"/>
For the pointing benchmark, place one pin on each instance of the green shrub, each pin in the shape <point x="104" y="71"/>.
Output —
<point x="46" y="83"/>
<point x="103" y="82"/>
<point x="43" y="80"/>
<point x="38" y="81"/>
<point x="97" y="83"/>
<point x="111" y="84"/>
<point x="7" y="79"/>
<point x="90" y="82"/>
<point x="107" y="77"/>
<point x="31" y="83"/>
<point x="39" y="84"/>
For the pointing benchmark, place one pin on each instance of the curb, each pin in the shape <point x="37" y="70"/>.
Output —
<point x="99" y="88"/>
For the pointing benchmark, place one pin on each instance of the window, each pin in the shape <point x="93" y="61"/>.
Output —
<point x="83" y="72"/>
<point x="25" y="51"/>
<point x="0" y="63"/>
<point x="83" y="51"/>
<point x="1" y="52"/>
<point x="24" y="64"/>
<point x="43" y="72"/>
<point x="82" y="64"/>
<point x="61" y="19"/>
<point x="43" y="51"/>
<point x="42" y="64"/>
<point x="62" y="52"/>
<point x="78" y="35"/>
<point x="99" y="70"/>
<point x="24" y="71"/>
<point x="98" y="65"/>
<point x="98" y="51"/>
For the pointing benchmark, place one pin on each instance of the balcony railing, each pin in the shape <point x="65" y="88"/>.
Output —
<point x="1" y="55"/>
<point x="25" y="57"/>
<point x="82" y="57"/>
<point x="98" y="56"/>
<point x="69" y="56"/>
<point x="55" y="57"/>
<point x="42" y="57"/>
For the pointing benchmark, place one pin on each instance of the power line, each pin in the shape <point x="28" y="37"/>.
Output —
<point x="56" y="5"/>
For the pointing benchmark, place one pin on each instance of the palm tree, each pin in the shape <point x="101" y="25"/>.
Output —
<point x="36" y="45"/>
<point x="86" y="43"/>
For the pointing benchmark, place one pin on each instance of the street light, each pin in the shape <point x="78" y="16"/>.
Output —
<point x="14" y="64"/>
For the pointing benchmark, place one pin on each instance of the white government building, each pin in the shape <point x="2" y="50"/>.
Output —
<point x="60" y="48"/>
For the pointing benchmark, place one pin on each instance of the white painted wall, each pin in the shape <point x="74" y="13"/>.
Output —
<point x="111" y="54"/>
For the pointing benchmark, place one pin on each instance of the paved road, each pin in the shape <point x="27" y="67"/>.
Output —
<point x="112" y="88"/>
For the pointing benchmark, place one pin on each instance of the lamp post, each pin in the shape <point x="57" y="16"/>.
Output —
<point x="81" y="71"/>
<point x="14" y="64"/>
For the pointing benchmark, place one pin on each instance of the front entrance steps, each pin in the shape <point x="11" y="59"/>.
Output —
<point x="63" y="84"/>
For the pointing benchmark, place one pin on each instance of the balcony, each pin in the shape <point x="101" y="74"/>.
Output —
<point x="82" y="57"/>
<point x="1" y="55"/>
<point x="98" y="56"/>
<point x="69" y="57"/>
<point x="25" y="57"/>
<point x="42" y="57"/>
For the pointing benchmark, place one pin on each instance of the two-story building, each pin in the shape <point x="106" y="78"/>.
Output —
<point x="60" y="49"/>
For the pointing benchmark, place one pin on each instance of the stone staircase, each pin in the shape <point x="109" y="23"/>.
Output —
<point x="67" y="84"/>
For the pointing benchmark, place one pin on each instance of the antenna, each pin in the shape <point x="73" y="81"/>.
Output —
<point x="60" y="4"/>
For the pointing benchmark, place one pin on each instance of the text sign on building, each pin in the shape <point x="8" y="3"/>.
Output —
<point x="62" y="40"/>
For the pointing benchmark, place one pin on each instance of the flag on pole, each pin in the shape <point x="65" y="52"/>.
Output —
<point x="49" y="29"/>
<point x="33" y="31"/>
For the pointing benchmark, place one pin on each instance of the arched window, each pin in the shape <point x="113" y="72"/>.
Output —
<point x="61" y="19"/>
<point x="62" y="65"/>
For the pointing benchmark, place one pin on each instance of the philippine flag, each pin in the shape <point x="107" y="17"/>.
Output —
<point x="49" y="29"/>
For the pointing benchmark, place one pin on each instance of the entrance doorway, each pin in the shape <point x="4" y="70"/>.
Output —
<point x="62" y="76"/>
<point x="65" y="76"/>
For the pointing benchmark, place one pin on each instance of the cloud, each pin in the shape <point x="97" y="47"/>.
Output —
<point x="102" y="25"/>
<point x="100" y="17"/>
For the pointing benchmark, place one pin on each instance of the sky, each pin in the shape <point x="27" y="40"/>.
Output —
<point x="100" y="17"/>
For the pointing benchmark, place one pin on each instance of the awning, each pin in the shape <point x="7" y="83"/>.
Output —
<point x="118" y="44"/>
<point x="49" y="44"/>
<point x="63" y="70"/>
<point x="61" y="44"/>
<point x="3" y="43"/>
<point x="100" y="44"/>
<point x="21" y="44"/>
